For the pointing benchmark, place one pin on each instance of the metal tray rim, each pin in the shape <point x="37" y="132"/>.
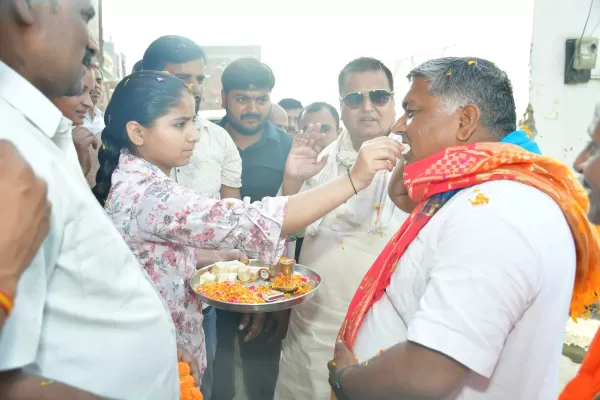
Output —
<point x="262" y="307"/>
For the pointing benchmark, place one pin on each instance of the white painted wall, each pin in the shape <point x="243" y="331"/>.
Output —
<point x="562" y="112"/>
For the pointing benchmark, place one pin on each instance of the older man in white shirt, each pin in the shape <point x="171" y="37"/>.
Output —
<point x="84" y="316"/>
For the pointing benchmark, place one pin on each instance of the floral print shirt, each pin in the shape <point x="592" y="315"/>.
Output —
<point x="165" y="223"/>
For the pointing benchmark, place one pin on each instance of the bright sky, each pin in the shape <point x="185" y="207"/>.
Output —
<point x="307" y="51"/>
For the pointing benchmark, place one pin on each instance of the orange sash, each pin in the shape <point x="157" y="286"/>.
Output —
<point x="433" y="181"/>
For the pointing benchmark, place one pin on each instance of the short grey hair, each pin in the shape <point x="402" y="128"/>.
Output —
<point x="460" y="81"/>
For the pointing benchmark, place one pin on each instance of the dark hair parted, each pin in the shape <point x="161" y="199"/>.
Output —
<point x="459" y="81"/>
<point x="142" y="97"/>
<point x="318" y="106"/>
<point x="290" y="104"/>
<point x="364" y="64"/>
<point x="247" y="74"/>
<point x="171" y="49"/>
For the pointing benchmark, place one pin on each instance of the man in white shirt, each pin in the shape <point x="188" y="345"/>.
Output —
<point x="87" y="321"/>
<point x="215" y="167"/>
<point x="475" y="305"/>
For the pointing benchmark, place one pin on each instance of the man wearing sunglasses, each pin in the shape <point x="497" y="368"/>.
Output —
<point x="344" y="244"/>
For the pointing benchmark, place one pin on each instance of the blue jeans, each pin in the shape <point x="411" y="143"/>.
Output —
<point x="210" y="339"/>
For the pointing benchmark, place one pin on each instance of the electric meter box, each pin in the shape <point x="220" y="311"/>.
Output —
<point x="586" y="51"/>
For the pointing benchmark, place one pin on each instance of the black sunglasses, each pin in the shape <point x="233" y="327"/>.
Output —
<point x="379" y="97"/>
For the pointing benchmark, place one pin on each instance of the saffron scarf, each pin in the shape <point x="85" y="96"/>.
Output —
<point x="433" y="181"/>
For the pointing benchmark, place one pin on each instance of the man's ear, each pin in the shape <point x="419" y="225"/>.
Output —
<point x="468" y="122"/>
<point x="23" y="11"/>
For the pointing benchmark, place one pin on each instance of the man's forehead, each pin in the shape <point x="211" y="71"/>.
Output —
<point x="418" y="93"/>
<point x="250" y="92"/>
<point x="322" y="114"/>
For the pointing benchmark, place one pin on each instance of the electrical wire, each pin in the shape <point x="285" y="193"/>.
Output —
<point x="581" y="37"/>
<point x="595" y="27"/>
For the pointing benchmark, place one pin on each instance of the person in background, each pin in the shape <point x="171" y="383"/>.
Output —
<point x="292" y="108"/>
<point x="342" y="245"/>
<point x="324" y="114"/>
<point x="143" y="142"/>
<point x="215" y="167"/>
<point x="25" y="215"/>
<point x="328" y="118"/>
<point x="586" y="384"/>
<point x="246" y="98"/>
<point x="138" y="66"/>
<point x="94" y="119"/>
<point x="54" y="345"/>
<point x="76" y="107"/>
<point x="278" y="117"/>
<point x="74" y="110"/>
<point x="445" y="311"/>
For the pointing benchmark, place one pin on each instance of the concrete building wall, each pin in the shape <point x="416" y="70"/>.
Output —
<point x="562" y="112"/>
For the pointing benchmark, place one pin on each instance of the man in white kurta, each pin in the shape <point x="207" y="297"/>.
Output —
<point x="341" y="246"/>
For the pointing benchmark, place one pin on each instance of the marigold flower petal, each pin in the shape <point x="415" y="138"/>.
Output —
<point x="184" y="369"/>
<point x="186" y="382"/>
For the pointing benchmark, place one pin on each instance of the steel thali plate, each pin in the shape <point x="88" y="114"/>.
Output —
<point x="279" y="305"/>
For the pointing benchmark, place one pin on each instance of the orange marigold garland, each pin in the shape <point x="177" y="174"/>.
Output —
<point x="187" y="385"/>
<point x="242" y="294"/>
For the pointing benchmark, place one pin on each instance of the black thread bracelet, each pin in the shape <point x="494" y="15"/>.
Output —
<point x="352" y="183"/>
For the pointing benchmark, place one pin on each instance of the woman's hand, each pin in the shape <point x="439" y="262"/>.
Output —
<point x="184" y="356"/>
<point x="208" y="257"/>
<point x="374" y="155"/>
<point x="232" y="255"/>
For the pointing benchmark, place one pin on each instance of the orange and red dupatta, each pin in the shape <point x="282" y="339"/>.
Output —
<point x="434" y="180"/>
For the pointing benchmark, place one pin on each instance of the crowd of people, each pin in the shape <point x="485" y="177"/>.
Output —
<point x="451" y="249"/>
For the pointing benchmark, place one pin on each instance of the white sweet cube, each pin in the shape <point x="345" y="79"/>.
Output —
<point x="220" y="268"/>
<point x="207" y="277"/>
<point x="244" y="273"/>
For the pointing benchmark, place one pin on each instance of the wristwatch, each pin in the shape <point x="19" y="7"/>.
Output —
<point x="336" y="385"/>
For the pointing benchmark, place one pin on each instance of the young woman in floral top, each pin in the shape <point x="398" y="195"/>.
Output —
<point x="149" y="130"/>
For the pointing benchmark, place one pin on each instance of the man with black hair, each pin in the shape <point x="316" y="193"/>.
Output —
<point x="292" y="107"/>
<point x="215" y="167"/>
<point x="324" y="114"/>
<point x="246" y="98"/>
